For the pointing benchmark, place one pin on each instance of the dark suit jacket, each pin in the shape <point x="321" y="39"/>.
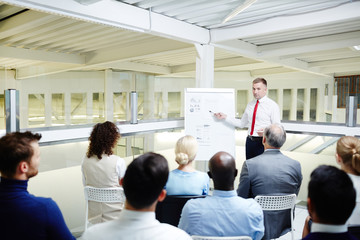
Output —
<point x="271" y="173"/>
<point x="329" y="236"/>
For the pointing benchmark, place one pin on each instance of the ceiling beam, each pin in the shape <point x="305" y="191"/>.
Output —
<point x="114" y="56"/>
<point x="139" y="67"/>
<point x="37" y="55"/>
<point x="335" y="62"/>
<point x="346" y="12"/>
<point x="220" y="63"/>
<point x="121" y="15"/>
<point x="22" y="22"/>
<point x="309" y="45"/>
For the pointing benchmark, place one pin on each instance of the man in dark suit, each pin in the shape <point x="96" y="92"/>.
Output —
<point x="331" y="200"/>
<point x="271" y="173"/>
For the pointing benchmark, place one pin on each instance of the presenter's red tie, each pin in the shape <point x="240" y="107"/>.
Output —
<point x="253" y="118"/>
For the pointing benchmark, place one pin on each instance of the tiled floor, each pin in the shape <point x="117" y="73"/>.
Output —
<point x="300" y="214"/>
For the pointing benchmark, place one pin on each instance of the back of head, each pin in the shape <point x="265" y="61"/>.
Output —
<point x="185" y="150"/>
<point x="332" y="194"/>
<point x="102" y="139"/>
<point x="144" y="179"/>
<point x="223" y="171"/>
<point x="260" y="80"/>
<point x="14" y="148"/>
<point x="275" y="135"/>
<point x="348" y="148"/>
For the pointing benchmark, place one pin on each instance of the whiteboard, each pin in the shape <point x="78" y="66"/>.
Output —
<point x="213" y="135"/>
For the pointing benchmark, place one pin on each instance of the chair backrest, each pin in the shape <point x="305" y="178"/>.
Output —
<point x="169" y="210"/>
<point x="196" y="237"/>
<point x="278" y="202"/>
<point x="106" y="195"/>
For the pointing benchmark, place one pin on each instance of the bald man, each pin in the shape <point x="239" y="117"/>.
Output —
<point x="271" y="173"/>
<point x="223" y="213"/>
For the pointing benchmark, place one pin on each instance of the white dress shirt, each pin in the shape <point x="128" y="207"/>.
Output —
<point x="327" y="228"/>
<point x="134" y="225"/>
<point x="267" y="113"/>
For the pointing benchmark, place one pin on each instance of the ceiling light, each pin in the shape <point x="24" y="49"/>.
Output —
<point x="239" y="9"/>
<point x="357" y="48"/>
<point x="87" y="2"/>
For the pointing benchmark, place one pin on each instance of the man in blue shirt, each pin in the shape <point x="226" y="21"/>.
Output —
<point x="24" y="216"/>
<point x="223" y="213"/>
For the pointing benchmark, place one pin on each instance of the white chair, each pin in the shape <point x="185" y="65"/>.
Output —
<point x="196" y="237"/>
<point x="280" y="202"/>
<point x="105" y="195"/>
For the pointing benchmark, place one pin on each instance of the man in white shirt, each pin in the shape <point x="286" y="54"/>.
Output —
<point x="143" y="185"/>
<point x="259" y="113"/>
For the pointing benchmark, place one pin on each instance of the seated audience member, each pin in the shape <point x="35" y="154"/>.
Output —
<point x="185" y="180"/>
<point x="143" y="185"/>
<point x="331" y="200"/>
<point x="223" y="213"/>
<point x="24" y="216"/>
<point x="102" y="169"/>
<point x="271" y="173"/>
<point x="348" y="156"/>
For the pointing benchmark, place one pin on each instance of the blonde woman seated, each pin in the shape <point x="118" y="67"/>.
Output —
<point x="185" y="180"/>
<point x="348" y="157"/>
<point x="102" y="169"/>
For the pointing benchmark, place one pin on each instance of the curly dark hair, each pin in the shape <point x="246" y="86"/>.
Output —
<point x="102" y="139"/>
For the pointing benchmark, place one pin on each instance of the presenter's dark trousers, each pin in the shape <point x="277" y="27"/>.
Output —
<point x="254" y="147"/>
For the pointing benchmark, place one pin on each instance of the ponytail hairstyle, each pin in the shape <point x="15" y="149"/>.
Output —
<point x="348" y="148"/>
<point x="185" y="150"/>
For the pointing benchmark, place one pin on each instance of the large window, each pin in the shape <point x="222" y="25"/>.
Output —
<point x="57" y="109"/>
<point x="241" y="102"/>
<point x="347" y="85"/>
<point x="78" y="108"/>
<point x="174" y="100"/>
<point x="36" y="110"/>
<point x="286" y="104"/>
<point x="120" y="106"/>
<point x="98" y="108"/>
<point x="300" y="104"/>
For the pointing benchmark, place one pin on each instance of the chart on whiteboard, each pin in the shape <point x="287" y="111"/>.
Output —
<point x="213" y="135"/>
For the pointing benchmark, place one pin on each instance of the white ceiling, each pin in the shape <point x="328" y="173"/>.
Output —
<point x="40" y="37"/>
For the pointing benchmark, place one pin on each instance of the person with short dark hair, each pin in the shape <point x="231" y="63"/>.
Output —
<point x="143" y="185"/>
<point x="271" y="173"/>
<point x="25" y="216"/>
<point x="259" y="113"/>
<point x="223" y="213"/>
<point x="331" y="200"/>
<point x="101" y="168"/>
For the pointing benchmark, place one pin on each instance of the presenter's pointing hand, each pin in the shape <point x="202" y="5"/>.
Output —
<point x="220" y="115"/>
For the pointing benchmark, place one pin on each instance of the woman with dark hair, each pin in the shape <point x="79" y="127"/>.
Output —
<point x="102" y="169"/>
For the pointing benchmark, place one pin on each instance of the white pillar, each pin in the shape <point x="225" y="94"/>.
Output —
<point x="108" y="93"/>
<point x="280" y="98"/>
<point x="320" y="110"/>
<point x="204" y="66"/>
<point x="293" y="108"/>
<point x="334" y="108"/>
